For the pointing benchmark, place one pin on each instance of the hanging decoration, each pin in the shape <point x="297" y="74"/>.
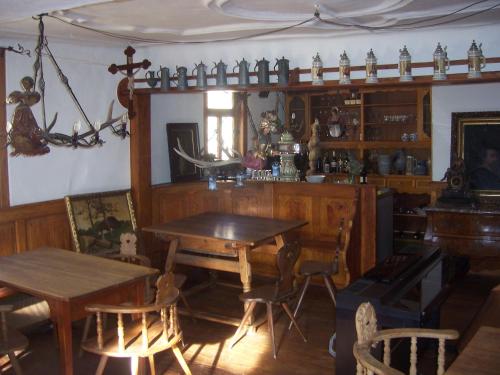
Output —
<point x="23" y="133"/>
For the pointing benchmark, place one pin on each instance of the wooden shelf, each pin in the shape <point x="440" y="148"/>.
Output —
<point x="390" y="104"/>
<point x="375" y="144"/>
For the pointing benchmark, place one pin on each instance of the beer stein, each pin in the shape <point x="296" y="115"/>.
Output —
<point x="344" y="69"/>
<point x="317" y="71"/>
<point x="220" y="75"/>
<point x="243" y="76"/>
<point x="476" y="60"/>
<point x="262" y="69"/>
<point x="405" y="65"/>
<point x="151" y="79"/>
<point x="164" y="76"/>
<point x="371" y="67"/>
<point x="283" y="71"/>
<point x="201" y="75"/>
<point x="441" y="63"/>
<point x="181" y="74"/>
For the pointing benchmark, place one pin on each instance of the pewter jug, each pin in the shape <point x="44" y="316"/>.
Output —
<point x="151" y="79"/>
<point x="201" y="75"/>
<point x="181" y="73"/>
<point x="283" y="71"/>
<point x="243" y="75"/>
<point x="220" y="75"/>
<point x="164" y="76"/>
<point x="262" y="69"/>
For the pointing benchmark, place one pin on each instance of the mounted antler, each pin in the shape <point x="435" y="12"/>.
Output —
<point x="209" y="164"/>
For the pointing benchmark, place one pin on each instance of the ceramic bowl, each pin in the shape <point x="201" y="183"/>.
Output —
<point x="316" y="179"/>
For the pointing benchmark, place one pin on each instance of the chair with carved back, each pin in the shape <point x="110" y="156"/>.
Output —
<point x="345" y="213"/>
<point x="369" y="337"/>
<point x="10" y="340"/>
<point x="157" y="329"/>
<point x="278" y="294"/>
<point x="149" y="295"/>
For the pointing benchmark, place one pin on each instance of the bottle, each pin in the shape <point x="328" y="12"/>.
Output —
<point x="319" y="165"/>
<point x="326" y="164"/>
<point x="333" y="164"/>
<point x="363" y="176"/>
<point x="340" y="163"/>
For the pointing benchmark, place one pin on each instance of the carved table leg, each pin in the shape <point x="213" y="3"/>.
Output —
<point x="246" y="279"/>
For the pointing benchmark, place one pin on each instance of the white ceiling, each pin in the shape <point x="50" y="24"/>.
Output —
<point x="202" y="20"/>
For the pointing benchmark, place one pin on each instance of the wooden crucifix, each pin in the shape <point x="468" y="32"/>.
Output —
<point x="128" y="70"/>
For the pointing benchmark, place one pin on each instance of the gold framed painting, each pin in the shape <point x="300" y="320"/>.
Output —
<point x="98" y="220"/>
<point x="475" y="138"/>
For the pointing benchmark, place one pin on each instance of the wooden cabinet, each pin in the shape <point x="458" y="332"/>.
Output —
<point x="369" y="122"/>
<point x="297" y="112"/>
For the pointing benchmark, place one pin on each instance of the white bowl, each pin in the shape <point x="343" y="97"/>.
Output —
<point x="316" y="178"/>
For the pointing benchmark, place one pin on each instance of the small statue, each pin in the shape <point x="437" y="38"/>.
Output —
<point x="26" y="137"/>
<point x="313" y="146"/>
<point x="455" y="176"/>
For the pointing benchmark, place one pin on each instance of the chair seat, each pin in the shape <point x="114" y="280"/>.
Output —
<point x="133" y="340"/>
<point x="265" y="294"/>
<point x="313" y="268"/>
<point x="12" y="341"/>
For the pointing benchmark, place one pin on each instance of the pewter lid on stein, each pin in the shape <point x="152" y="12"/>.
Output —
<point x="404" y="54"/>
<point x="317" y="59"/>
<point x="344" y="58"/>
<point x="370" y="56"/>
<point x="282" y="59"/>
<point x="474" y="49"/>
<point x="263" y="60"/>
<point x="439" y="50"/>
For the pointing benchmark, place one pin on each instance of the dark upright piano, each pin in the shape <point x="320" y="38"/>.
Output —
<point x="404" y="289"/>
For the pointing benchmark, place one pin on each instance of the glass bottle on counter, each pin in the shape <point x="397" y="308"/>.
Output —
<point x="326" y="164"/>
<point x="363" y="176"/>
<point x="333" y="164"/>
<point x="319" y="165"/>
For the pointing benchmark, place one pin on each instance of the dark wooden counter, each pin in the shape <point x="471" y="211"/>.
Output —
<point x="315" y="203"/>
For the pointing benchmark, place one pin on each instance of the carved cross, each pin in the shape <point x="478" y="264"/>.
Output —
<point x="128" y="70"/>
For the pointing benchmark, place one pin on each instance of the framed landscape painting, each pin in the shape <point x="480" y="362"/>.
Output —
<point x="98" y="220"/>
<point x="476" y="140"/>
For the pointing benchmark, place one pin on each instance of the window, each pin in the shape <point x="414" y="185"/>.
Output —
<point x="220" y="130"/>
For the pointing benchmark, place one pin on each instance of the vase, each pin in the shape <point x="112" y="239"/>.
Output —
<point x="384" y="164"/>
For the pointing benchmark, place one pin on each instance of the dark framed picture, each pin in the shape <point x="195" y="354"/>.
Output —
<point x="99" y="220"/>
<point x="476" y="139"/>
<point x="187" y="135"/>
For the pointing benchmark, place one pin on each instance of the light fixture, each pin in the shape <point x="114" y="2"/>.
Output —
<point x="24" y="134"/>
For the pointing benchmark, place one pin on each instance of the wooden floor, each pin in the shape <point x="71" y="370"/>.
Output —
<point x="206" y="343"/>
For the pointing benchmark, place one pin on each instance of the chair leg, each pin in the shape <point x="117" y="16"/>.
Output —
<point x="301" y="298"/>
<point x="181" y="360"/>
<point x="246" y="316"/>
<point x="270" y="324"/>
<point x="332" y="289"/>
<point x="102" y="365"/>
<point x="152" y="368"/>
<point x="85" y="334"/>
<point x="134" y="365"/>
<point x="293" y="321"/>
<point x="14" y="363"/>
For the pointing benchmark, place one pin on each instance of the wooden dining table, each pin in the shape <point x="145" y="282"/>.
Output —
<point x="69" y="281"/>
<point x="223" y="242"/>
<point x="481" y="355"/>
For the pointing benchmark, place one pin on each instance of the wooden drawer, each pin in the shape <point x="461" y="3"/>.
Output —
<point x="424" y="184"/>
<point x="379" y="181"/>
<point x="405" y="183"/>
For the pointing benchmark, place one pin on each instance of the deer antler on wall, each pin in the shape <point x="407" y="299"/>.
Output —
<point x="209" y="164"/>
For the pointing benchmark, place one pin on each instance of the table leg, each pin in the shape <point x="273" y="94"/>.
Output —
<point x="61" y="313"/>
<point x="280" y="241"/>
<point x="246" y="276"/>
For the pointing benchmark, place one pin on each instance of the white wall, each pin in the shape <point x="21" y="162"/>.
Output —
<point x="420" y="43"/>
<point x="448" y="99"/>
<point x="168" y="108"/>
<point x="66" y="170"/>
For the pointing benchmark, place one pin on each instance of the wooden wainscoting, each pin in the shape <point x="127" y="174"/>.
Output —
<point x="281" y="200"/>
<point x="30" y="226"/>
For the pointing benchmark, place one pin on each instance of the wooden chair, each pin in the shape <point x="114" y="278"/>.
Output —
<point x="141" y="260"/>
<point x="278" y="294"/>
<point x="157" y="330"/>
<point x="10" y="340"/>
<point x="326" y="270"/>
<point x="369" y="337"/>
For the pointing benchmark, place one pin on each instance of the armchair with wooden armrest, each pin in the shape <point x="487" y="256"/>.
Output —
<point x="369" y="337"/>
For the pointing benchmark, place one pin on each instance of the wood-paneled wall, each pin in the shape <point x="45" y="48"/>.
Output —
<point x="30" y="226"/>
<point x="318" y="204"/>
